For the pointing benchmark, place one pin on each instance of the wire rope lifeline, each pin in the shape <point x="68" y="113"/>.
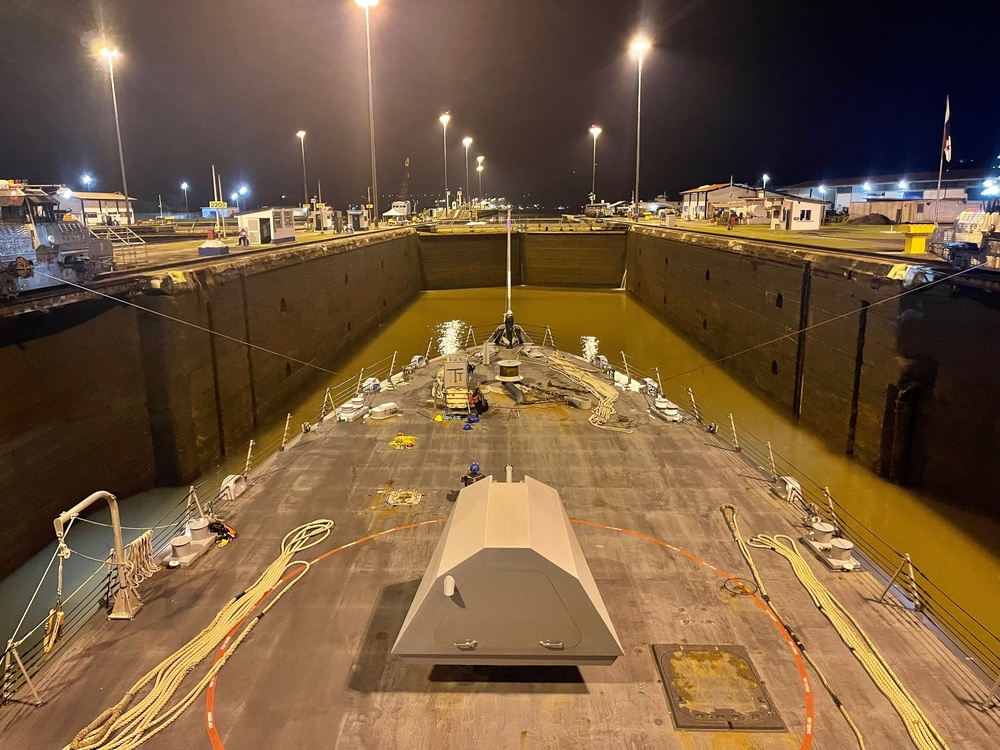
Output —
<point x="125" y="726"/>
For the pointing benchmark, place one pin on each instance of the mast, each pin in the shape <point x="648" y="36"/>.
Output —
<point x="508" y="259"/>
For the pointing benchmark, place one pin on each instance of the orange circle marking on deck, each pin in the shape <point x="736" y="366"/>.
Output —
<point x="211" y="725"/>
<point x="807" y="693"/>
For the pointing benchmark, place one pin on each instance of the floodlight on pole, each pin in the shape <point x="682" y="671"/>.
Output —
<point x="467" y="141"/>
<point x="368" y="5"/>
<point x="639" y="46"/>
<point x="764" y="179"/>
<point x="111" y="54"/>
<point x="86" y="180"/>
<point x="301" y="135"/>
<point x="479" y="169"/>
<point x="184" y="187"/>
<point x="444" y="119"/>
<point x="594" y="131"/>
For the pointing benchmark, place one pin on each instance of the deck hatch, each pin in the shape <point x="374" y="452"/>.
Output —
<point x="715" y="688"/>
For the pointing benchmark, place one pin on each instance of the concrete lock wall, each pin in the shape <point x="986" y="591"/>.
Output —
<point x="101" y="396"/>
<point x="571" y="259"/>
<point x="902" y="386"/>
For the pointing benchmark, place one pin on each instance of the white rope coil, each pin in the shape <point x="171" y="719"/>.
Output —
<point x="605" y="393"/>
<point x="123" y="727"/>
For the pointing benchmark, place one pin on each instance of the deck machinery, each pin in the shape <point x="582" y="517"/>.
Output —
<point x="41" y="246"/>
<point x="508" y="585"/>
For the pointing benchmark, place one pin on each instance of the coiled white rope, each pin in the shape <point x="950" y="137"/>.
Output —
<point x="605" y="393"/>
<point x="923" y="734"/>
<point x="124" y="728"/>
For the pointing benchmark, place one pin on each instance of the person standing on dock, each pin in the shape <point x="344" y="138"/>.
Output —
<point x="732" y="221"/>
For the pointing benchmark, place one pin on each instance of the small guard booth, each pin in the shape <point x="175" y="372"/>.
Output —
<point x="269" y="226"/>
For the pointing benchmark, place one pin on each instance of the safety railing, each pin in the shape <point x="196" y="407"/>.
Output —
<point x="915" y="589"/>
<point x="26" y="645"/>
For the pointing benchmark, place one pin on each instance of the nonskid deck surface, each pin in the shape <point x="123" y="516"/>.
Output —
<point x="317" y="671"/>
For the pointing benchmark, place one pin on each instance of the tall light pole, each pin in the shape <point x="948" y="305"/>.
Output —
<point x="111" y="54"/>
<point x="639" y="46"/>
<point x="444" y="124"/>
<point x="305" y="185"/>
<point x="367" y="4"/>
<point x="87" y="181"/>
<point x="467" y="141"/>
<point x="235" y="198"/>
<point x="764" y="179"/>
<point x="243" y="192"/>
<point x="594" y="131"/>
<point x="184" y="187"/>
<point x="479" y="168"/>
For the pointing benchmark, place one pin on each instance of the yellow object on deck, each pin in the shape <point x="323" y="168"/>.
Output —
<point x="916" y="235"/>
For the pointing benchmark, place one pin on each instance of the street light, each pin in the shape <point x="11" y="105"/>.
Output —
<point x="444" y="124"/>
<point x="243" y="193"/>
<point x="467" y="141"/>
<point x="764" y="179"/>
<point x="111" y="54"/>
<point x="305" y="185"/>
<point x="479" y="169"/>
<point x="594" y="131"/>
<point x="184" y="187"/>
<point x="87" y="180"/>
<point x="368" y="4"/>
<point x="639" y="46"/>
<point x="235" y="198"/>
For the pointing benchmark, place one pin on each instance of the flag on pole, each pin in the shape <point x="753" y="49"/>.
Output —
<point x="946" y="141"/>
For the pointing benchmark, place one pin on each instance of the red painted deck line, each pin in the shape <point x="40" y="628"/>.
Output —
<point x="211" y="724"/>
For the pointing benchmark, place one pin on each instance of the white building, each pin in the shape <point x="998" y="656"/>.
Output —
<point x="268" y="225"/>
<point x="96" y="209"/>
<point x="701" y="202"/>
<point x="958" y="184"/>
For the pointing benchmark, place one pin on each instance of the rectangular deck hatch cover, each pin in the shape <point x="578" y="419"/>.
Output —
<point x="715" y="688"/>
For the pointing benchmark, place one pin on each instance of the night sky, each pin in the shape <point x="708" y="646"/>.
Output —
<point x="799" y="90"/>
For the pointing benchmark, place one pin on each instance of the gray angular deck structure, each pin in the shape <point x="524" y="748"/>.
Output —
<point x="508" y="585"/>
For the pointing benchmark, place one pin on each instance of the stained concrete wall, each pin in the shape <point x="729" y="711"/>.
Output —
<point x="100" y="396"/>
<point x="544" y="258"/>
<point x="904" y="386"/>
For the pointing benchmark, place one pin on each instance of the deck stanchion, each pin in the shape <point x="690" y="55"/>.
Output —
<point x="914" y="592"/>
<point x="892" y="580"/>
<point x="392" y="366"/>
<point x="246" y="468"/>
<point x="659" y="383"/>
<point x="833" y="512"/>
<point x="628" y="375"/>
<point x="694" y="405"/>
<point x="991" y="696"/>
<point x="429" y="342"/>
<point x="327" y="402"/>
<point x="549" y="337"/>
<point x="284" y="438"/>
<point x="360" y="376"/>
<point x="732" y="425"/>
<point x="770" y="460"/>
<point x="12" y="651"/>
